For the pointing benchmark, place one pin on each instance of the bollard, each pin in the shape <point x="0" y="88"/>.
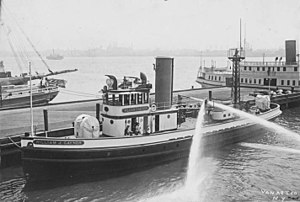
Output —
<point x="45" y="112"/>
<point x="210" y="95"/>
<point x="98" y="111"/>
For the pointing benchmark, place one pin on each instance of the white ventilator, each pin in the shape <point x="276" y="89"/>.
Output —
<point x="89" y="128"/>
<point x="77" y="123"/>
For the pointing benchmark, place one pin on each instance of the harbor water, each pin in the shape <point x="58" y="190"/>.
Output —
<point x="265" y="168"/>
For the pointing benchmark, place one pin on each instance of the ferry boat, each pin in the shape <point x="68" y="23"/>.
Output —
<point x="274" y="75"/>
<point x="132" y="131"/>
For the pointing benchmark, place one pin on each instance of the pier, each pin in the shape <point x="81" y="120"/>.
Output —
<point x="14" y="123"/>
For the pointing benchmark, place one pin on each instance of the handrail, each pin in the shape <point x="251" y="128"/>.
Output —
<point x="258" y="63"/>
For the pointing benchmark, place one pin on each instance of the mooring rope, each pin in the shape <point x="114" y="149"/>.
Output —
<point x="14" y="142"/>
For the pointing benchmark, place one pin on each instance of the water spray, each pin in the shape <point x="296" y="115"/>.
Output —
<point x="258" y="120"/>
<point x="270" y="147"/>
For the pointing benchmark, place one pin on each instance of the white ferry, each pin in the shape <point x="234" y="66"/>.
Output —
<point x="273" y="75"/>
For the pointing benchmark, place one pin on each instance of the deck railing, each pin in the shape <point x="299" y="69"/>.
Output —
<point x="269" y="64"/>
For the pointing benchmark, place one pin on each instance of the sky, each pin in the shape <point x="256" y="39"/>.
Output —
<point x="155" y="24"/>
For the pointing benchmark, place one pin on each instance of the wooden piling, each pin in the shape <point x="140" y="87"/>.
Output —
<point x="98" y="111"/>
<point x="45" y="112"/>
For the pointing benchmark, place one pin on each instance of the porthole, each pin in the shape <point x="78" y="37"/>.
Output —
<point x="168" y="116"/>
<point x="111" y="122"/>
<point x="106" y="109"/>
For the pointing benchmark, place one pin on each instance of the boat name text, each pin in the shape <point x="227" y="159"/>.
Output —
<point x="55" y="142"/>
<point x="126" y="110"/>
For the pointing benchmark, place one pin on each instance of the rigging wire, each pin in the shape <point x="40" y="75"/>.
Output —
<point x="28" y="40"/>
<point x="79" y="93"/>
<point x="15" y="54"/>
<point x="22" y="47"/>
<point x="21" y="54"/>
<point x="11" y="38"/>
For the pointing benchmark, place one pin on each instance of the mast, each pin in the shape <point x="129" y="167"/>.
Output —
<point x="0" y="10"/>
<point x="240" y="34"/>
<point x="236" y="55"/>
<point x="31" y="111"/>
<point x="1" y="24"/>
<point x="245" y="38"/>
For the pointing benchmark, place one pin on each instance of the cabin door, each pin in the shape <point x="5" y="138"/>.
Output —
<point x="156" y="123"/>
<point x="146" y="126"/>
<point x="133" y="125"/>
<point x="271" y="82"/>
<point x="229" y="82"/>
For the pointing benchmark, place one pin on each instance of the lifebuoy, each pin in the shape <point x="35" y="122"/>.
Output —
<point x="153" y="107"/>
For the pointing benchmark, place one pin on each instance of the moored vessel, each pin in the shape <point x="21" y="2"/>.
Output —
<point x="54" y="56"/>
<point x="272" y="75"/>
<point x="14" y="89"/>
<point x="132" y="131"/>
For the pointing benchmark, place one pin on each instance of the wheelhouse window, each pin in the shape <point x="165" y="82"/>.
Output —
<point x="140" y="98"/>
<point x="295" y="69"/>
<point x="245" y="68"/>
<point x="263" y="68"/>
<point x="282" y="82"/>
<point x="257" y="68"/>
<point x="146" y="97"/>
<point x="133" y="99"/>
<point x="254" y="81"/>
<point x="259" y="81"/>
<point x="278" y="69"/>
<point x="250" y="68"/>
<point x="112" y="99"/>
<point x="246" y="80"/>
<point x="294" y="82"/>
<point x="126" y="99"/>
<point x="242" y="80"/>
<point x="284" y="69"/>
<point x="288" y="82"/>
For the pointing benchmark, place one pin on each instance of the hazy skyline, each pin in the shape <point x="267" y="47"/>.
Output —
<point x="156" y="24"/>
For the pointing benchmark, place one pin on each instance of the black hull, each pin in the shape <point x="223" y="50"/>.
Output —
<point x="52" y="164"/>
<point x="37" y="99"/>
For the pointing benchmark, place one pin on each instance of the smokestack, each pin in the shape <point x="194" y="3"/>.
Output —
<point x="164" y="71"/>
<point x="290" y="51"/>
